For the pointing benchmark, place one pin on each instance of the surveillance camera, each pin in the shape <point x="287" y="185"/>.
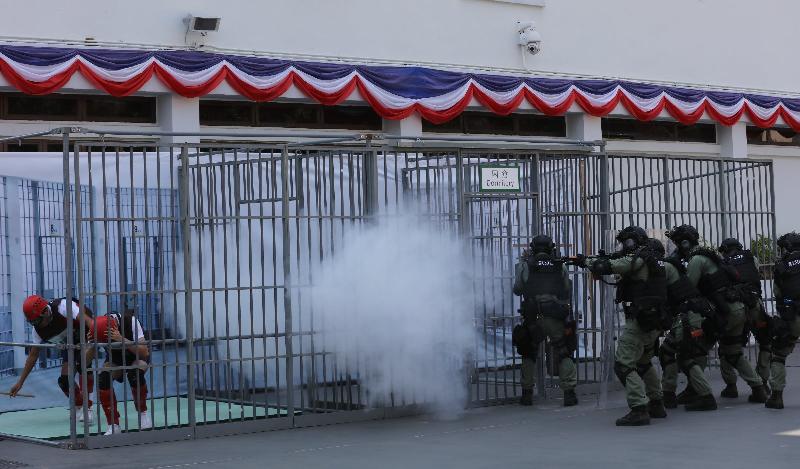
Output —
<point x="529" y="37"/>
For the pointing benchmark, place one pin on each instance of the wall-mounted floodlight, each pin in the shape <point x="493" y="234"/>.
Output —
<point x="201" y="24"/>
<point x="198" y="27"/>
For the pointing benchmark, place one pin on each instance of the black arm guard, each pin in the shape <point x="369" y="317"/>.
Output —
<point x="602" y="266"/>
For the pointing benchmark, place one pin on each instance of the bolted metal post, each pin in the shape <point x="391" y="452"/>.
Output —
<point x="724" y="222"/>
<point x="69" y="274"/>
<point x="16" y="275"/>
<point x="370" y="175"/>
<point x="287" y="283"/>
<point x="183" y="182"/>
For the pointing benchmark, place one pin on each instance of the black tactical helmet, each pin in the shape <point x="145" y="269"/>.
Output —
<point x="657" y="247"/>
<point x="632" y="237"/>
<point x="684" y="233"/>
<point x="789" y="242"/>
<point x="542" y="243"/>
<point x="730" y="244"/>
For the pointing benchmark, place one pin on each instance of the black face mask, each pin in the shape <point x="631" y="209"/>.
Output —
<point x="627" y="245"/>
<point x="685" y="246"/>
<point x="729" y="252"/>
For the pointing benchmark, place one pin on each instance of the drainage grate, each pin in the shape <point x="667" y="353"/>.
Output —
<point x="7" y="464"/>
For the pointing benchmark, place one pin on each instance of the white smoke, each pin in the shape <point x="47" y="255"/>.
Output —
<point x="396" y="301"/>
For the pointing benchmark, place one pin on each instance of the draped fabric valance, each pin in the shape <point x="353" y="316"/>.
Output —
<point x="393" y="91"/>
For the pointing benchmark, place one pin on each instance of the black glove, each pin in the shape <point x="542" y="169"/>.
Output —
<point x="580" y="261"/>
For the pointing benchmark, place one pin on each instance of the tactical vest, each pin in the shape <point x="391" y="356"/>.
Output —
<point x="645" y="293"/>
<point x="742" y="266"/>
<point x="787" y="275"/>
<point x="681" y="290"/>
<point x="545" y="277"/>
<point x="712" y="283"/>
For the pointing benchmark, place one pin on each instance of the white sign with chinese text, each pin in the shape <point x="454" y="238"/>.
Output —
<point x="500" y="179"/>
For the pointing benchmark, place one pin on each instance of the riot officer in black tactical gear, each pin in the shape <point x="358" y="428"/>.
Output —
<point x="686" y="344"/>
<point x="542" y="281"/>
<point x="642" y="290"/>
<point x="786" y="326"/>
<point x="743" y="266"/>
<point x="706" y="271"/>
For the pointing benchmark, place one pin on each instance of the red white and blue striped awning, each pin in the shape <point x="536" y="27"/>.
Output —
<point x="393" y="91"/>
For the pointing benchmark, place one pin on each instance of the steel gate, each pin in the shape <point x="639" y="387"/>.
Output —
<point x="215" y="253"/>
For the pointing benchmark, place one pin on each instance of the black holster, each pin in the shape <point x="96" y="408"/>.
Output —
<point x="788" y="312"/>
<point x="650" y="314"/>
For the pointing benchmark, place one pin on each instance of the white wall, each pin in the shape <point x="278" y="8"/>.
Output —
<point x="704" y="42"/>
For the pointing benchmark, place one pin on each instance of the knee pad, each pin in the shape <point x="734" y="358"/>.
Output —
<point x="732" y="358"/>
<point x="622" y="372"/>
<point x="777" y="359"/>
<point x="137" y="377"/>
<point x="562" y="350"/>
<point x="643" y="368"/>
<point x="104" y="380"/>
<point x="63" y="383"/>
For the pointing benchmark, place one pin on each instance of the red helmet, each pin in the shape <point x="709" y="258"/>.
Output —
<point x="33" y="307"/>
<point x="102" y="325"/>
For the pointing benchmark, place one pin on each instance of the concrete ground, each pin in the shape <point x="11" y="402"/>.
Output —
<point x="544" y="436"/>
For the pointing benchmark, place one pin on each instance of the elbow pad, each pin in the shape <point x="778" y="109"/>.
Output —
<point x="602" y="266"/>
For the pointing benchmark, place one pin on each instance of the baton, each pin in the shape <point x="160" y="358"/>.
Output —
<point x="3" y="393"/>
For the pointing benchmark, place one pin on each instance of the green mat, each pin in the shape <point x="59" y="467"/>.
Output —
<point x="52" y="423"/>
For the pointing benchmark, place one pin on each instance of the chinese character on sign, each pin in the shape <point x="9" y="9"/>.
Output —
<point x="500" y="179"/>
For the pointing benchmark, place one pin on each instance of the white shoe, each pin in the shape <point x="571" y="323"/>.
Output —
<point x="145" y="423"/>
<point x="89" y="419"/>
<point x="113" y="430"/>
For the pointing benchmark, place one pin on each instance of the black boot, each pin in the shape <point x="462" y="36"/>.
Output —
<point x="775" y="400"/>
<point x="687" y="395"/>
<point x="656" y="409"/>
<point x="527" y="397"/>
<point x="670" y="401"/>
<point x="730" y="392"/>
<point x="759" y="395"/>
<point x="636" y="417"/>
<point x="570" y="399"/>
<point x="701" y="403"/>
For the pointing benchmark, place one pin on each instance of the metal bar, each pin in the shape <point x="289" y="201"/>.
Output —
<point x="723" y="198"/>
<point x="33" y="135"/>
<point x="81" y="296"/>
<point x="187" y="279"/>
<point x="37" y="236"/>
<point x="681" y="179"/>
<point x="287" y="280"/>
<point x="73" y="437"/>
<point x="16" y="276"/>
<point x="667" y="194"/>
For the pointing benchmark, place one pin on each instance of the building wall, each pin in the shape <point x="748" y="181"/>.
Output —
<point x="702" y="42"/>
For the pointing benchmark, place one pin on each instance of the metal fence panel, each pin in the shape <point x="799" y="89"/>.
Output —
<point x="212" y="247"/>
<point x="6" y="327"/>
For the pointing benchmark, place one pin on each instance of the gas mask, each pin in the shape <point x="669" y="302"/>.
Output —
<point x="627" y="245"/>
<point x="685" y="246"/>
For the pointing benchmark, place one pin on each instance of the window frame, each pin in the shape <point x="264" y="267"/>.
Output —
<point x="81" y="114"/>
<point x="516" y="123"/>
<point x="673" y="127"/>
<point x="318" y="109"/>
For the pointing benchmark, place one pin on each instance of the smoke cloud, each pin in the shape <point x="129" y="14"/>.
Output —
<point x="396" y="301"/>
